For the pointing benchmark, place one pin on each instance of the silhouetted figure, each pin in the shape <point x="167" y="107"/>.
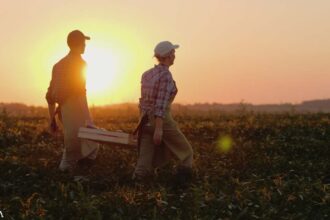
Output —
<point x="68" y="89"/>
<point x="159" y="136"/>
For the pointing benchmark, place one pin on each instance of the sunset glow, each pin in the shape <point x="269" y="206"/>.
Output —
<point x="102" y="70"/>
<point x="256" y="51"/>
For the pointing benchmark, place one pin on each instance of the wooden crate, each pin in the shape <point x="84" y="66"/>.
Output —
<point x="104" y="136"/>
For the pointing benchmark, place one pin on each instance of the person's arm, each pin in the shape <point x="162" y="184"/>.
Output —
<point x="158" y="133"/>
<point x="84" y="107"/>
<point x="162" y="101"/>
<point x="51" y="105"/>
<point x="89" y="119"/>
<point x="51" y="111"/>
<point x="52" y="121"/>
<point x="84" y="103"/>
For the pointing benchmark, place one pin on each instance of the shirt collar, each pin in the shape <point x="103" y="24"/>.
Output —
<point x="162" y="66"/>
<point x="71" y="54"/>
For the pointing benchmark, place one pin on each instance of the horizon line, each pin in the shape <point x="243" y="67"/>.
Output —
<point x="178" y="103"/>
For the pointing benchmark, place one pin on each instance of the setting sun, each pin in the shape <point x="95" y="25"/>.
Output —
<point x="102" y="70"/>
<point x="114" y="66"/>
<point x="184" y="109"/>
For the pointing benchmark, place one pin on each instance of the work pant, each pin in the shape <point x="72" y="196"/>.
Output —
<point x="74" y="115"/>
<point x="173" y="143"/>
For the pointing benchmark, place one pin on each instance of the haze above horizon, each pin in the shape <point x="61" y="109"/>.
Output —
<point x="257" y="51"/>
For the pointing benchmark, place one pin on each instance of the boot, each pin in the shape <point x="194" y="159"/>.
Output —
<point x="326" y="180"/>
<point x="86" y="163"/>
<point x="183" y="177"/>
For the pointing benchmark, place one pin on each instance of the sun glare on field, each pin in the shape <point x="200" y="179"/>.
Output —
<point x="102" y="70"/>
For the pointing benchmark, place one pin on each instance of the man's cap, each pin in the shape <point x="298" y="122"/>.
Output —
<point x="163" y="48"/>
<point x="75" y="37"/>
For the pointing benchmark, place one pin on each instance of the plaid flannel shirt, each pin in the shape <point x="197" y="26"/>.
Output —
<point x="158" y="89"/>
<point x="67" y="79"/>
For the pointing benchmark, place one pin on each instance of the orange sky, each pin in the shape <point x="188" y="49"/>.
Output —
<point x="256" y="51"/>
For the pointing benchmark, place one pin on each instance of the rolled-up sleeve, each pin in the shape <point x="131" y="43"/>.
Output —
<point x="163" y="94"/>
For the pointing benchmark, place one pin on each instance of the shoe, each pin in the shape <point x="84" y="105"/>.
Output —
<point x="139" y="180"/>
<point x="67" y="166"/>
<point x="326" y="179"/>
<point x="183" y="177"/>
<point x="86" y="162"/>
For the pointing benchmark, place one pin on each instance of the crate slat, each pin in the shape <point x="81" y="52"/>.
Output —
<point x="101" y="135"/>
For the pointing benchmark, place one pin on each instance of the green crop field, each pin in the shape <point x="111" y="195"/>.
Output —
<point x="246" y="166"/>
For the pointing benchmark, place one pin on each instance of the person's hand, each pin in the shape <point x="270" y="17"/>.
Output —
<point x="90" y="124"/>
<point x="53" y="128"/>
<point x="158" y="135"/>
<point x="135" y="136"/>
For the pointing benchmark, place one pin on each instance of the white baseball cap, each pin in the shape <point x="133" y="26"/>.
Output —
<point x="164" y="47"/>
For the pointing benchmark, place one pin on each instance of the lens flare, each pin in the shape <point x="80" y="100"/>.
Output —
<point x="224" y="144"/>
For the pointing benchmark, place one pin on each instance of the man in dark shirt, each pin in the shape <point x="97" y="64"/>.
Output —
<point x="68" y="89"/>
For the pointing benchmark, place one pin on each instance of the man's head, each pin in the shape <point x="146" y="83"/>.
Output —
<point x="76" y="41"/>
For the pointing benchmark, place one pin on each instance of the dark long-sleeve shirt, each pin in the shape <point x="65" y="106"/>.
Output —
<point x="67" y="79"/>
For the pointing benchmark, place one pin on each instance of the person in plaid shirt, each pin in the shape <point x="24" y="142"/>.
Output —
<point x="159" y="135"/>
<point x="158" y="88"/>
<point x="67" y="89"/>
